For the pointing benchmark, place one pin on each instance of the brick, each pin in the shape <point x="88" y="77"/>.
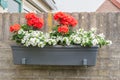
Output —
<point x="115" y="51"/>
<point x="101" y="20"/>
<point x="24" y="72"/>
<point x="6" y="23"/>
<point x="114" y="64"/>
<point x="92" y="72"/>
<point x="103" y="63"/>
<point x="7" y="53"/>
<point x="40" y="72"/>
<point x="45" y="78"/>
<point x="4" y="73"/>
<point x="70" y="78"/>
<point x="22" y="18"/>
<point x="63" y="73"/>
<point x="95" y="78"/>
<point x="84" y="20"/>
<point x="115" y="73"/>
<point x="103" y="73"/>
<point x="1" y="27"/>
<point x="104" y="52"/>
<point x="25" y="79"/>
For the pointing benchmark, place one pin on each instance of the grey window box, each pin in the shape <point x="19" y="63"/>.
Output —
<point x="57" y="55"/>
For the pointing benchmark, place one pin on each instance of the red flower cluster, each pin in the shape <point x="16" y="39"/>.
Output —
<point x="29" y="16"/>
<point x="65" y="19"/>
<point x="33" y="20"/>
<point x="14" y="28"/>
<point x="63" y="29"/>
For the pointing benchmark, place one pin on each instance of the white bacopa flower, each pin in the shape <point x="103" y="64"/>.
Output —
<point x="83" y="40"/>
<point x="66" y="40"/>
<point x="33" y="41"/>
<point x="85" y="32"/>
<point x="37" y="40"/>
<point x="49" y="41"/>
<point x="41" y="32"/>
<point x="92" y="36"/>
<point x="77" y="40"/>
<point x="59" y="38"/>
<point x="94" y="30"/>
<point x="109" y="42"/>
<point x="81" y="30"/>
<point x="47" y="35"/>
<point x="46" y="40"/>
<point x="41" y="37"/>
<point x="23" y="41"/>
<point x="54" y="41"/>
<point x="87" y="40"/>
<point x="27" y="43"/>
<point x="41" y="44"/>
<point x="20" y="31"/>
<point x="26" y="37"/>
<point x="101" y="35"/>
<point x="53" y="37"/>
<point x="26" y="33"/>
<point x="94" y="42"/>
<point x="35" y="34"/>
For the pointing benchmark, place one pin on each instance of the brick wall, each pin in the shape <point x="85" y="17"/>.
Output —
<point x="108" y="6"/>
<point x="108" y="60"/>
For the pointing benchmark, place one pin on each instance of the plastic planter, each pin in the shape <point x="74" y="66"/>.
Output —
<point x="55" y="55"/>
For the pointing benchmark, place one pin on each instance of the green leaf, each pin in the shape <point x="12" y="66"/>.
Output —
<point x="26" y="27"/>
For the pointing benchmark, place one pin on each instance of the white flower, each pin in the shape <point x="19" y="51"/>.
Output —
<point x="47" y="35"/>
<point x="41" y="44"/>
<point x="94" y="30"/>
<point x="92" y="36"/>
<point x="33" y="41"/>
<point x="51" y="41"/>
<point x="37" y="40"/>
<point x="59" y="38"/>
<point x="77" y="40"/>
<point x="85" y="32"/>
<point x="94" y="42"/>
<point x="109" y="42"/>
<point x="27" y="44"/>
<point x="101" y="35"/>
<point x="54" y="41"/>
<point x="81" y="30"/>
<point x="23" y="41"/>
<point x="66" y="40"/>
<point x="21" y="31"/>
<point x="35" y="33"/>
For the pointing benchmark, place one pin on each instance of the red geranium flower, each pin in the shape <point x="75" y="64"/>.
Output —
<point x="63" y="29"/>
<point x="14" y="28"/>
<point x="59" y="15"/>
<point x="65" y="19"/>
<point x="30" y="16"/>
<point x="73" y="22"/>
<point x="36" y="22"/>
